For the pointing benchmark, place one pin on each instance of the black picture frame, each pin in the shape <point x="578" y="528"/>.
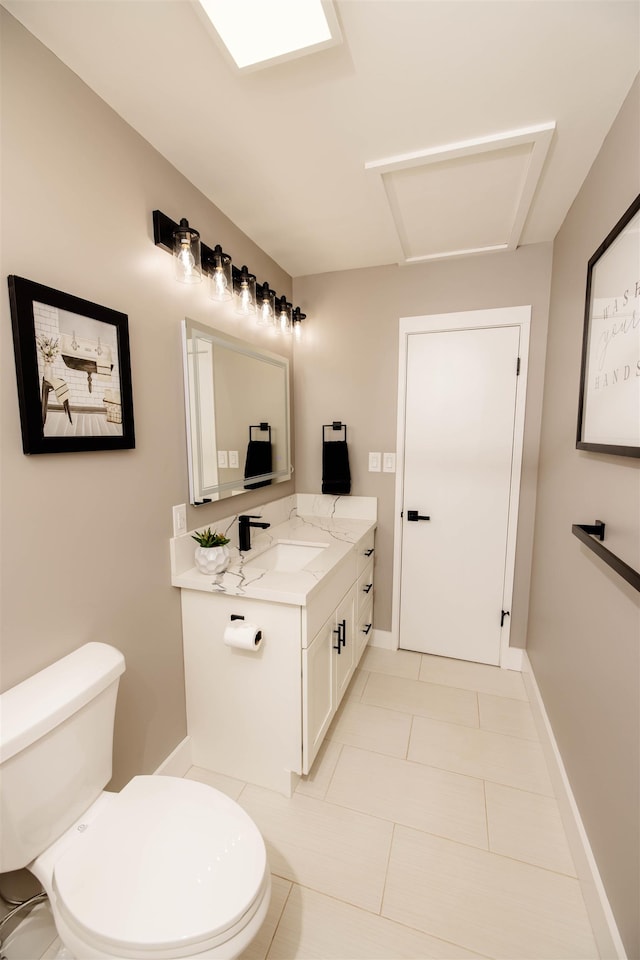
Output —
<point x="609" y="398"/>
<point x="73" y="371"/>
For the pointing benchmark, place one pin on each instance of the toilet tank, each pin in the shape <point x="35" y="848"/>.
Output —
<point x="56" y="742"/>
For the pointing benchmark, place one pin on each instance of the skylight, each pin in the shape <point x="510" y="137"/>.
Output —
<point x="260" y="32"/>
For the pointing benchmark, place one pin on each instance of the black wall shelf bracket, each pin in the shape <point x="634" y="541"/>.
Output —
<point x="587" y="532"/>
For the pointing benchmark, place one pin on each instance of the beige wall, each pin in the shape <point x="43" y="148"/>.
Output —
<point x="347" y="369"/>
<point x="85" y="552"/>
<point x="584" y="628"/>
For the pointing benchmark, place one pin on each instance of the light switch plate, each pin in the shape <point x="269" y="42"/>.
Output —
<point x="388" y="462"/>
<point x="222" y="458"/>
<point x="179" y="519"/>
<point x="233" y="459"/>
<point x="374" y="462"/>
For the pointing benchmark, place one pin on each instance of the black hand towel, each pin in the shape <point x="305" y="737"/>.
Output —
<point x="258" y="462"/>
<point x="336" y="476"/>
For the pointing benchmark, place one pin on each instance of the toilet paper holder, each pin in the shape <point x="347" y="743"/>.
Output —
<point x="240" y="616"/>
<point x="237" y="636"/>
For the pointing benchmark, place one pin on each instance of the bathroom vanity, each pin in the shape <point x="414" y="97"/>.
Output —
<point x="260" y="714"/>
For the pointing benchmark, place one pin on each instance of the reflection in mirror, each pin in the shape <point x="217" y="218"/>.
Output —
<point x="237" y="406"/>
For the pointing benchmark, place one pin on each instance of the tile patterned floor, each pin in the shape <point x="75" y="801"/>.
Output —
<point x="426" y="829"/>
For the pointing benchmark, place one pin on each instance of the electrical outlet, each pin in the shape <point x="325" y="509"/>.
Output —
<point x="374" y="463"/>
<point x="179" y="519"/>
<point x="388" y="463"/>
<point x="233" y="459"/>
<point x="222" y="458"/>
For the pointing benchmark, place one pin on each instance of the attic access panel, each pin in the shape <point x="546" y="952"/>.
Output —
<point x="464" y="198"/>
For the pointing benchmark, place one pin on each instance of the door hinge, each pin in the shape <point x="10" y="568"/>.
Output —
<point x="503" y="614"/>
<point x="518" y="368"/>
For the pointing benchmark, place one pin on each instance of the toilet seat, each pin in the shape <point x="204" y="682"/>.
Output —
<point x="170" y="868"/>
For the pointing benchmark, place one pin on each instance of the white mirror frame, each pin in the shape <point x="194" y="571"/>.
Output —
<point x="204" y="422"/>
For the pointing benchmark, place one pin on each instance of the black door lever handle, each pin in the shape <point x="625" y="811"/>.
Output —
<point x="414" y="515"/>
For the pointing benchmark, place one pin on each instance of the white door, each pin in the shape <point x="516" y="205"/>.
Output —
<point x="458" y="455"/>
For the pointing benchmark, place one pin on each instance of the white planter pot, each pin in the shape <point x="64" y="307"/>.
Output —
<point x="210" y="560"/>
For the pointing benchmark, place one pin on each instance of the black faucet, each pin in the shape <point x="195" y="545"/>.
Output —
<point x="244" y="526"/>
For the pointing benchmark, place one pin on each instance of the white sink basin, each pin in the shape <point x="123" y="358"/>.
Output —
<point x="287" y="556"/>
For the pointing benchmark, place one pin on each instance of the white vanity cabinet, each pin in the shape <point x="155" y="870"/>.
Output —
<point x="261" y="716"/>
<point x="328" y="663"/>
<point x="327" y="667"/>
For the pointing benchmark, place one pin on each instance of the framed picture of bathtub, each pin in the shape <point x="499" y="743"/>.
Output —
<point x="609" y="401"/>
<point x="73" y="371"/>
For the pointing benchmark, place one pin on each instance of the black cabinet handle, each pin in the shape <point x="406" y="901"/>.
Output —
<point x="368" y="553"/>
<point x="342" y="635"/>
<point x="367" y="628"/>
<point x="367" y="588"/>
<point x="414" y="515"/>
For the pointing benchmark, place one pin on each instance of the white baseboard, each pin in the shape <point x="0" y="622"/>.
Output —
<point x="178" y="761"/>
<point x="384" y="639"/>
<point x="512" y="659"/>
<point x="605" y="930"/>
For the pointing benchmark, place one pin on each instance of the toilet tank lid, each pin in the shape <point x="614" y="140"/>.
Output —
<point x="31" y="709"/>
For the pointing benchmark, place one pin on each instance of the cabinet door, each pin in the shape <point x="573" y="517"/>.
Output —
<point x="318" y="691"/>
<point x="345" y="658"/>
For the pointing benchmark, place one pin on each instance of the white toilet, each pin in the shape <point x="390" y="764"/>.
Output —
<point x="166" y="868"/>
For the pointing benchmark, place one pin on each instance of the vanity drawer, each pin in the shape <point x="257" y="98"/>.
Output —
<point x="365" y="550"/>
<point x="364" y="629"/>
<point x="364" y="589"/>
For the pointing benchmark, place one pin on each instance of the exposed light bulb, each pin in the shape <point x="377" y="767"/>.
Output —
<point x="265" y="316"/>
<point x="245" y="300"/>
<point x="220" y="284"/>
<point x="246" y="291"/>
<point x="186" y="248"/>
<point x="187" y="259"/>
<point x="298" y="317"/>
<point x="265" y="305"/>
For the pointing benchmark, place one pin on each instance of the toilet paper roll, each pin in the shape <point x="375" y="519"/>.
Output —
<point x="243" y="635"/>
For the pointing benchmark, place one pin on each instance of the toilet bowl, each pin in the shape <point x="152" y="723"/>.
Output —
<point x="166" y="868"/>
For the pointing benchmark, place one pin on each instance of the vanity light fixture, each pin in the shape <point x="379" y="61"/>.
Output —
<point x="194" y="257"/>
<point x="266" y="305"/>
<point x="221" y="277"/>
<point x="245" y="288"/>
<point x="186" y="250"/>
<point x="297" y="319"/>
<point x="284" y="314"/>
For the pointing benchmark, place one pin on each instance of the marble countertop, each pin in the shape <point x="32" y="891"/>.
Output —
<point x="244" y="577"/>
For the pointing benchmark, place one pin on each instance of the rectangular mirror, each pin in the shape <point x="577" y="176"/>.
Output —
<point x="237" y="409"/>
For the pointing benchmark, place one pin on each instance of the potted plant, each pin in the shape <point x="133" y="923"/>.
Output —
<point x="212" y="554"/>
<point x="49" y="349"/>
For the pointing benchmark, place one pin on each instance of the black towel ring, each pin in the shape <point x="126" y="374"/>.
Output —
<point x="263" y="427"/>
<point x="336" y="425"/>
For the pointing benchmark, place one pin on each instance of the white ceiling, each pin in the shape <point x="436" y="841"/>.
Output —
<point x="379" y="150"/>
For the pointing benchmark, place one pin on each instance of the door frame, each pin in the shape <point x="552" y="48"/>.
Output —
<point x="510" y="657"/>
